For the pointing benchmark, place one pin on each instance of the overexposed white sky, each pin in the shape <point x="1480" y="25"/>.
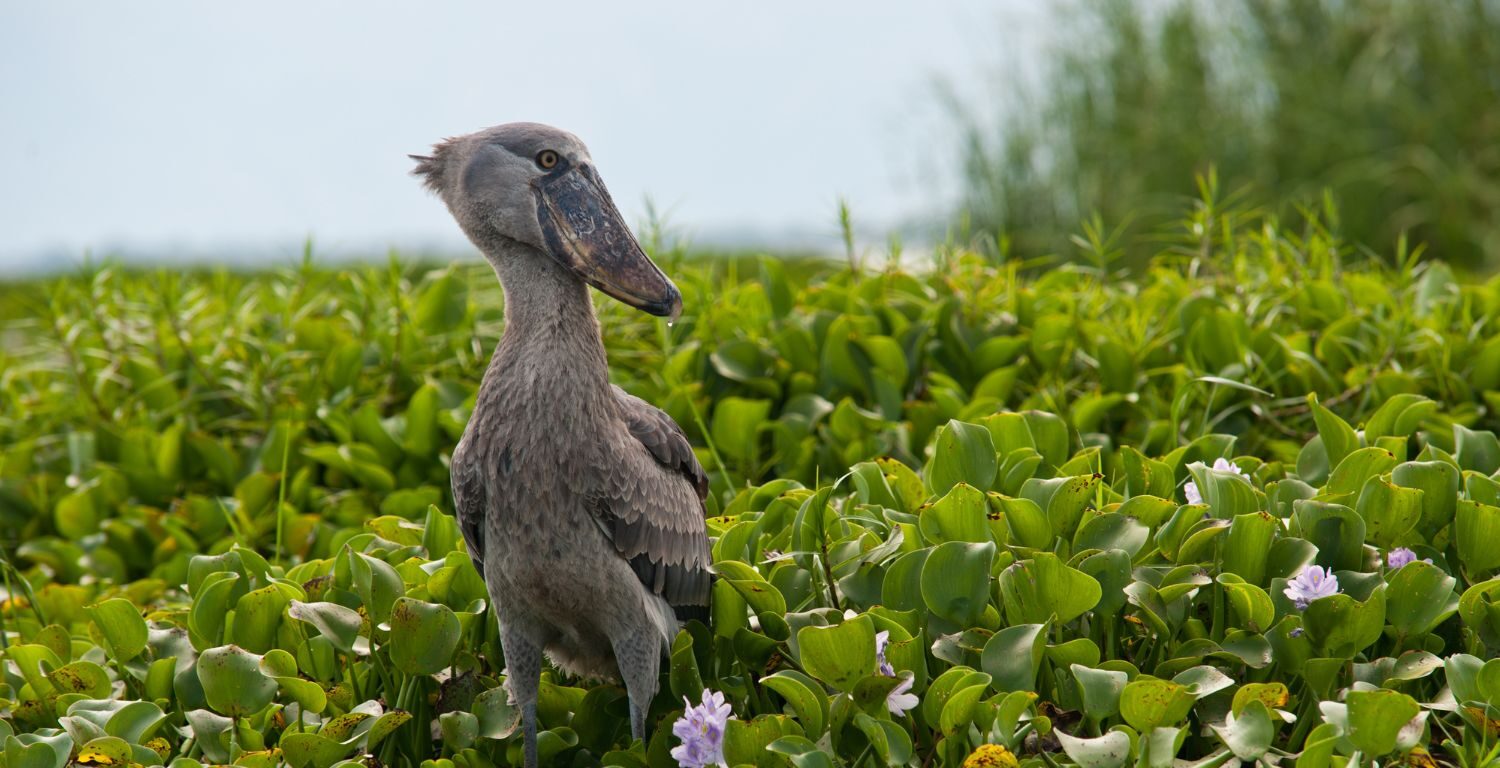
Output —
<point x="185" y="128"/>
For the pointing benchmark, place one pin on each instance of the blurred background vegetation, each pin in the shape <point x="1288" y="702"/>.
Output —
<point x="1392" y="106"/>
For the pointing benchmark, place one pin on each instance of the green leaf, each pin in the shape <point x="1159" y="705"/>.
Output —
<point x="1037" y="589"/>
<point x="736" y="427"/>
<point x="1476" y="532"/>
<point x="1340" y="626"/>
<point x="1013" y="656"/>
<point x="1100" y="690"/>
<point x="1147" y="703"/>
<point x="1248" y="733"/>
<point x="1250" y="603"/>
<point x="1112" y="750"/>
<point x="956" y="580"/>
<point x="1339" y="439"/>
<point x="1419" y="597"/>
<point x="121" y="625"/>
<point x="1390" y="511"/>
<point x="840" y="655"/>
<point x="960" y="515"/>
<point x="232" y="681"/>
<point x="1376" y="718"/>
<point x="423" y="636"/>
<point x="961" y="453"/>
<point x="338" y="624"/>
<point x="805" y="697"/>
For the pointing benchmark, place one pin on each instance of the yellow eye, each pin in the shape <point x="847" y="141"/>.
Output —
<point x="547" y="159"/>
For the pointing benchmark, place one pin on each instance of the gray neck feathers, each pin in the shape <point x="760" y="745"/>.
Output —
<point x="550" y="358"/>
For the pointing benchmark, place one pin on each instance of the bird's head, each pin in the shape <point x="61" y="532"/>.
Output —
<point x="536" y="185"/>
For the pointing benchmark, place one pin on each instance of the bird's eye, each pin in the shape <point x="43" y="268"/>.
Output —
<point x="547" y="159"/>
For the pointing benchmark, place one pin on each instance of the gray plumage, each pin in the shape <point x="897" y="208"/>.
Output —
<point x="581" y="505"/>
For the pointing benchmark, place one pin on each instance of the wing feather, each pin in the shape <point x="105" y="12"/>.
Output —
<point x="655" y="517"/>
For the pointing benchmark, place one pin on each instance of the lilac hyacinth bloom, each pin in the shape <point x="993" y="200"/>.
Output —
<point x="1190" y="491"/>
<point x="1401" y="556"/>
<point x="901" y="699"/>
<point x="701" y="729"/>
<point x="1311" y="584"/>
<point x="882" y="664"/>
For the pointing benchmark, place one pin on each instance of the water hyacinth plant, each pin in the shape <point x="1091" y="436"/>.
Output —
<point x="946" y="505"/>
<point x="1313" y="583"/>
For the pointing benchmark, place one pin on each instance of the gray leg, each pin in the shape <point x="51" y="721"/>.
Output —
<point x="639" y="657"/>
<point x="523" y="665"/>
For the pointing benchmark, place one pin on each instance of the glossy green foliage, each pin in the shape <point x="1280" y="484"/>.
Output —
<point x="1070" y="504"/>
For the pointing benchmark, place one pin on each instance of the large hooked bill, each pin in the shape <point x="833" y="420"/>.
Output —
<point x="584" y="232"/>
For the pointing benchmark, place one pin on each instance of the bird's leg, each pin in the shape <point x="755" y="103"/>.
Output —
<point x="639" y="657"/>
<point x="523" y="673"/>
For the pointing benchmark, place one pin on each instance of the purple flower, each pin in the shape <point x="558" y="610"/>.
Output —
<point x="1311" y="584"/>
<point x="1190" y="491"/>
<point x="1401" y="556"/>
<point x="883" y="665"/>
<point x="701" y="729"/>
<point x="901" y="699"/>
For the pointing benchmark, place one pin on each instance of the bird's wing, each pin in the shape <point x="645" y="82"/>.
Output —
<point x="468" y="505"/>
<point x="653" y="511"/>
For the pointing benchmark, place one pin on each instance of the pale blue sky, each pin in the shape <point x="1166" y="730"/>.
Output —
<point x="190" y="128"/>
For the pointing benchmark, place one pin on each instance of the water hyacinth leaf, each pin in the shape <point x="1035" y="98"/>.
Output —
<point x="377" y="584"/>
<point x="82" y="677"/>
<point x="762" y="596"/>
<point x="1226" y="493"/>
<point x="1036" y="589"/>
<point x="339" y="625"/>
<point x="423" y="636"/>
<point x="1476" y="451"/>
<point x="122" y="627"/>
<point x="1249" y="732"/>
<point x="1204" y="680"/>
<point x="257" y="617"/>
<point x="498" y="718"/>
<point x="1339" y="439"/>
<point x="1337" y="531"/>
<point x="890" y="740"/>
<point x="1013" y="656"/>
<point x="839" y="655"/>
<point x="956" y="580"/>
<point x="1357" y="469"/>
<point x="801" y="752"/>
<point x="459" y="729"/>
<point x="1376" y="718"/>
<point x="961" y="453"/>
<point x="1247" y="546"/>
<point x="1064" y="499"/>
<point x="311" y="750"/>
<point x="960" y="515"/>
<point x="1271" y="695"/>
<point x="736" y="427"/>
<point x="804" y="696"/>
<point x="1389" y="511"/>
<point x="1250" y="603"/>
<point x="1147" y="703"/>
<point x="1028" y="524"/>
<point x="1438" y="481"/>
<point x="1110" y="750"/>
<point x="1340" y="626"/>
<point x="1100" y="690"/>
<point x="958" y="712"/>
<point x="1476" y="532"/>
<point x="1111" y="569"/>
<point x="233" y="682"/>
<point x="1479" y="608"/>
<point x="1112" y="531"/>
<point x="1420" y="597"/>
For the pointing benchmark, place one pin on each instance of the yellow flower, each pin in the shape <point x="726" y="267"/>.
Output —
<point x="991" y="756"/>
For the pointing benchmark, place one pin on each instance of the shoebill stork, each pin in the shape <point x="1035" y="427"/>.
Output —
<point x="581" y="505"/>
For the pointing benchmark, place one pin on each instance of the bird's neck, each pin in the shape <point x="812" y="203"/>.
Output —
<point x="551" y="354"/>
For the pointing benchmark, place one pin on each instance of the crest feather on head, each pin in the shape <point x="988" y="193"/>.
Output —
<point x="432" y="169"/>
